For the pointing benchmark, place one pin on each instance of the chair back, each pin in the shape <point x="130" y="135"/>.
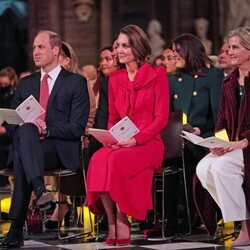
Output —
<point x="73" y="185"/>
<point x="171" y="136"/>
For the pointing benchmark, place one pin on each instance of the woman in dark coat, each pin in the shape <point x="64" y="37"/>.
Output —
<point x="195" y="89"/>
<point x="223" y="171"/>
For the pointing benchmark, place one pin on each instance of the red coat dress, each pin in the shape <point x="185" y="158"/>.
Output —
<point x="126" y="173"/>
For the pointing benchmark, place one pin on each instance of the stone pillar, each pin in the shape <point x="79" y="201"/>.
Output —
<point x="106" y="36"/>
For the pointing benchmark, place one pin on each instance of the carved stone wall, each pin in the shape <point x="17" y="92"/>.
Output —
<point x="108" y="16"/>
<point x="60" y="16"/>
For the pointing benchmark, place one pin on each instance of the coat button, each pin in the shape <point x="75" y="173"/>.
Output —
<point x="175" y="96"/>
<point x="180" y="79"/>
<point x="195" y="93"/>
<point x="196" y="76"/>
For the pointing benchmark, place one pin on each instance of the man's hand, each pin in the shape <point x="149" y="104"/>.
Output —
<point x="85" y="141"/>
<point x="2" y="130"/>
<point x="41" y="125"/>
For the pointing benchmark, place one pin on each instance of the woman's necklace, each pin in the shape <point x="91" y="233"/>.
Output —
<point x="241" y="89"/>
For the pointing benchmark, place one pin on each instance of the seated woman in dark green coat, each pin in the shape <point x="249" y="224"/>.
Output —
<point x="196" y="90"/>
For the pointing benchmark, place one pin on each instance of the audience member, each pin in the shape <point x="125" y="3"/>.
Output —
<point x="168" y="60"/>
<point x="89" y="71"/>
<point x="195" y="90"/>
<point x="68" y="60"/>
<point x="215" y="60"/>
<point x="120" y="175"/>
<point x="225" y="172"/>
<point x="108" y="64"/>
<point x="224" y="59"/>
<point x="52" y="139"/>
<point x="23" y="74"/>
<point x="157" y="61"/>
<point x="8" y="83"/>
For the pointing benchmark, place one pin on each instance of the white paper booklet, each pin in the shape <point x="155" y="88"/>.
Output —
<point x="210" y="142"/>
<point x="29" y="110"/>
<point x="121" y="131"/>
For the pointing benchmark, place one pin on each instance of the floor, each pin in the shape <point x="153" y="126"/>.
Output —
<point x="49" y="240"/>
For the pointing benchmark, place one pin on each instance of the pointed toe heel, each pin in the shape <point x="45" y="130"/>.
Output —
<point x="123" y="242"/>
<point x="110" y="242"/>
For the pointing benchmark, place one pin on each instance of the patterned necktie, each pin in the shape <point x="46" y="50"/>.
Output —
<point x="44" y="94"/>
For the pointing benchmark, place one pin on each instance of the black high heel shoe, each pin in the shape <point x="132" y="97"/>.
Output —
<point x="51" y="224"/>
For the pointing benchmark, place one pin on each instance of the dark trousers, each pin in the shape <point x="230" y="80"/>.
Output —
<point x="5" y="143"/>
<point x="31" y="156"/>
<point x="192" y="155"/>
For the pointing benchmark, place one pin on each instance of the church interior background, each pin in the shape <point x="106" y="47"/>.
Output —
<point x="89" y="25"/>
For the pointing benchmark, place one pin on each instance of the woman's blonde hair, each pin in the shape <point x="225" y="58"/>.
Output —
<point x="67" y="51"/>
<point x="244" y="34"/>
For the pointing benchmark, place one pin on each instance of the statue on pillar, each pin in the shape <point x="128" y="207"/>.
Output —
<point x="156" y="41"/>
<point x="201" y="29"/>
<point x="83" y="9"/>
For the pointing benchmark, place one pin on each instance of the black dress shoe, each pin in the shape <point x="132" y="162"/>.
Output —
<point x="14" y="239"/>
<point x="43" y="198"/>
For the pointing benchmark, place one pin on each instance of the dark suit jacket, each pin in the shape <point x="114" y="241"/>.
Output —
<point x="102" y="113"/>
<point x="66" y="115"/>
<point x="197" y="97"/>
<point x="236" y="120"/>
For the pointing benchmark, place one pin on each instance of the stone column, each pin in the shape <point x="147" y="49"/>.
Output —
<point x="106" y="36"/>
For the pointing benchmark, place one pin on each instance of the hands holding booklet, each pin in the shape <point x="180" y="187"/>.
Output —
<point x="121" y="131"/>
<point x="28" y="111"/>
<point x="210" y="142"/>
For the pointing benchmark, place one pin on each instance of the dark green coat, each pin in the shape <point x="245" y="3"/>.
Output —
<point x="198" y="97"/>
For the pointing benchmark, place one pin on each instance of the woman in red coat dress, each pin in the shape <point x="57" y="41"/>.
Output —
<point x="120" y="175"/>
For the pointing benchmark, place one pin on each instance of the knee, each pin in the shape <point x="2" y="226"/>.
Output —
<point x="200" y="170"/>
<point x="28" y="129"/>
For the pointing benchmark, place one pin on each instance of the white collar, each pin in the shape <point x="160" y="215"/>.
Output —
<point x="53" y="74"/>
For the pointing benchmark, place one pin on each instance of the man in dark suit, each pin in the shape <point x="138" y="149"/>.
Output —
<point x="53" y="140"/>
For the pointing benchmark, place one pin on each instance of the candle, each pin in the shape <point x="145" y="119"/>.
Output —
<point x="88" y="219"/>
<point x="184" y="118"/>
<point x="5" y="205"/>
<point x="222" y="134"/>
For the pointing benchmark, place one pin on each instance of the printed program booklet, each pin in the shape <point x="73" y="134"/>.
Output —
<point x="210" y="142"/>
<point x="29" y="110"/>
<point x="121" y="131"/>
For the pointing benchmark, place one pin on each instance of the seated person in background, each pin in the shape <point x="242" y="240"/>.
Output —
<point x="168" y="60"/>
<point x="224" y="59"/>
<point x="215" y="60"/>
<point x="68" y="60"/>
<point x="225" y="172"/>
<point x="195" y="89"/>
<point x="119" y="179"/>
<point x="52" y="140"/>
<point x="23" y="74"/>
<point x="108" y="64"/>
<point x="8" y="84"/>
<point x="89" y="71"/>
<point x="157" y="61"/>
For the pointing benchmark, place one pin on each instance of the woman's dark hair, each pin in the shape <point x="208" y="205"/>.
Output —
<point x="106" y="48"/>
<point x="193" y="51"/>
<point x="11" y="73"/>
<point x="138" y="41"/>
